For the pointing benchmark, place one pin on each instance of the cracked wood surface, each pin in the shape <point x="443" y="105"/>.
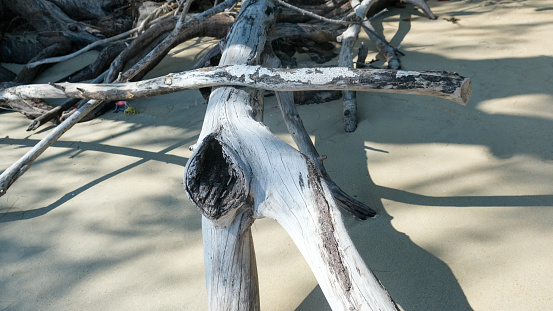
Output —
<point x="433" y="83"/>
<point x="284" y="185"/>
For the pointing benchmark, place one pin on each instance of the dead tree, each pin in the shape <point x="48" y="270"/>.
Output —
<point x="240" y="171"/>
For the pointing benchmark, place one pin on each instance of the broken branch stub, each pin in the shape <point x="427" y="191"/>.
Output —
<point x="216" y="180"/>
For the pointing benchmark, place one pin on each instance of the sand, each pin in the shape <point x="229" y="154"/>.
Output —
<point x="465" y="194"/>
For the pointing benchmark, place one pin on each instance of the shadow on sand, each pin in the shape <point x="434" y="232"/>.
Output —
<point x="415" y="278"/>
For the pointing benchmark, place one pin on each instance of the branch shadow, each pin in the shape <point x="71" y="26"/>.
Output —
<point x="416" y="278"/>
<point x="145" y="156"/>
<point x="98" y="244"/>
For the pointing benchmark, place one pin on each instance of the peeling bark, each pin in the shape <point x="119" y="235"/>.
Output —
<point x="447" y="85"/>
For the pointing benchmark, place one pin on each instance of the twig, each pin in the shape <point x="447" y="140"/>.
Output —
<point x="146" y="22"/>
<point x="11" y="174"/>
<point x="311" y="14"/>
<point x="56" y="111"/>
<point x="171" y="38"/>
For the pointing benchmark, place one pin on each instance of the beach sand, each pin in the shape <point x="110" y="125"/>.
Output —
<point x="465" y="194"/>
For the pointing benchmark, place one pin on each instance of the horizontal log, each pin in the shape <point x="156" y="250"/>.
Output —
<point x="433" y="83"/>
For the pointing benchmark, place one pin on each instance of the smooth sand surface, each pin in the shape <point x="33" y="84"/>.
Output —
<point x="465" y="194"/>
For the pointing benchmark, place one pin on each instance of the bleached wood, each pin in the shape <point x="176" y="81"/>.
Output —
<point x="222" y="193"/>
<point x="345" y="59"/>
<point x="238" y="157"/>
<point x="286" y="186"/>
<point x="300" y="136"/>
<point x="433" y="83"/>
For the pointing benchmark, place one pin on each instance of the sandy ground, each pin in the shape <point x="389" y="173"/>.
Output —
<point x="465" y="194"/>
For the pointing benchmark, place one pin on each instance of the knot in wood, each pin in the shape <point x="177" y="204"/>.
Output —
<point x="215" y="179"/>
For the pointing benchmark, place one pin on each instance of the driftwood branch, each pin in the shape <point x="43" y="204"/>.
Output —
<point x="171" y="38"/>
<point x="218" y="176"/>
<point x="145" y="23"/>
<point x="57" y="111"/>
<point x="11" y="174"/>
<point x="433" y="83"/>
<point x="300" y="136"/>
<point x="313" y="15"/>
<point x="383" y="46"/>
<point x="238" y="158"/>
<point x="348" y="39"/>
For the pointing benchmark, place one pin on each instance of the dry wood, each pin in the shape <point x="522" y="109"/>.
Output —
<point x="313" y="15"/>
<point x="362" y="54"/>
<point x="383" y="46"/>
<point x="45" y="16"/>
<point x="31" y="108"/>
<point x="433" y="83"/>
<point x="55" y="113"/>
<point x="300" y="136"/>
<point x="348" y="39"/>
<point x="216" y="26"/>
<point x="100" y="65"/>
<point x="423" y="6"/>
<point x="28" y="74"/>
<point x="265" y="177"/>
<point x="11" y="174"/>
<point x="145" y="23"/>
<point x="217" y="180"/>
<point x="172" y="37"/>
<point x="240" y="171"/>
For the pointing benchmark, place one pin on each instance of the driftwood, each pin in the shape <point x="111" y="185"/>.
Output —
<point x="168" y="42"/>
<point x="433" y="83"/>
<point x="46" y="16"/>
<point x="155" y="22"/>
<point x="28" y="74"/>
<point x="305" y="145"/>
<point x="348" y="39"/>
<point x="232" y="178"/>
<point x="239" y="171"/>
<point x="440" y="84"/>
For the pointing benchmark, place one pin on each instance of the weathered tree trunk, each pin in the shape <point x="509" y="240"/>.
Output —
<point x="216" y="179"/>
<point x="240" y="171"/>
